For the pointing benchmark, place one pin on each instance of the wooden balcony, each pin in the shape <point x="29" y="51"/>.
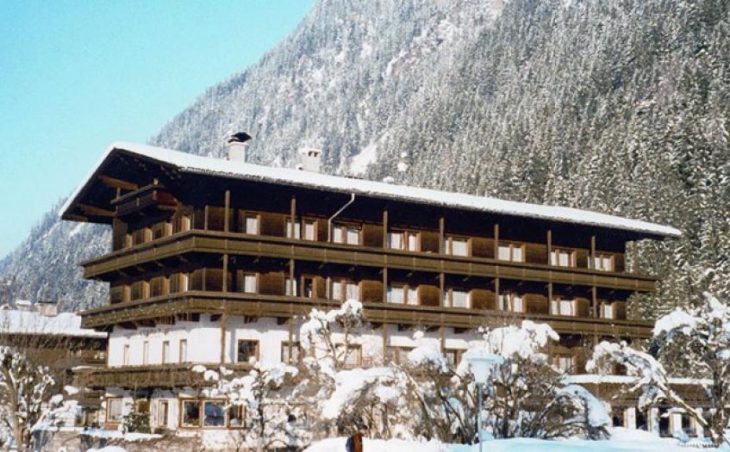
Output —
<point x="285" y="307"/>
<point x="198" y="241"/>
<point x="143" y="201"/>
<point x="158" y="376"/>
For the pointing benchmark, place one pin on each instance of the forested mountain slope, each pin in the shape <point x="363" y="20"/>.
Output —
<point x="620" y="107"/>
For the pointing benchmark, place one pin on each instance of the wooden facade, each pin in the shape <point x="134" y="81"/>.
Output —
<point x="188" y="242"/>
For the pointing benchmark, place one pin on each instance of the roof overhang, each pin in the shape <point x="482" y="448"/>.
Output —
<point x="85" y="202"/>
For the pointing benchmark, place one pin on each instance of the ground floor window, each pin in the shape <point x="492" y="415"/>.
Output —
<point x="247" y="349"/>
<point x="114" y="409"/>
<point x="209" y="413"/>
<point x="236" y="416"/>
<point x="214" y="414"/>
<point x="190" y="413"/>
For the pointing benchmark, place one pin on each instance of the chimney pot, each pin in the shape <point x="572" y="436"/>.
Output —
<point x="237" y="145"/>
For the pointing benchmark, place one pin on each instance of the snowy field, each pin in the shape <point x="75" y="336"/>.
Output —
<point x="622" y="440"/>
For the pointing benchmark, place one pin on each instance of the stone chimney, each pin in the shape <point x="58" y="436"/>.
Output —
<point x="310" y="159"/>
<point x="237" y="144"/>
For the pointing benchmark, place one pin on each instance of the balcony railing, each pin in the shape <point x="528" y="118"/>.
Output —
<point x="257" y="305"/>
<point x="325" y="252"/>
<point x="163" y="375"/>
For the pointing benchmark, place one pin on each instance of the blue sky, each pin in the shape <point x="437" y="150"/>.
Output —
<point x="77" y="75"/>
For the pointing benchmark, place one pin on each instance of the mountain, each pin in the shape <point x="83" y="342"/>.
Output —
<point x="621" y="107"/>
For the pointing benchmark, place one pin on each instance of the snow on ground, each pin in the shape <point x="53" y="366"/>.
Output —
<point x="622" y="440"/>
<point x="108" y="449"/>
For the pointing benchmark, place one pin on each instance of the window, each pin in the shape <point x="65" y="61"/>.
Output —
<point x="183" y="355"/>
<point x="291" y="287"/>
<point x="411" y="295"/>
<point x="353" y="236"/>
<point x="251" y="224"/>
<point x="248" y="350"/>
<point x="396" y="293"/>
<point x="412" y="241"/>
<point x="511" y="252"/>
<point x="145" y="352"/>
<point x="511" y="301"/>
<point x="162" y="410"/>
<point x="352" y="358"/>
<point x="395" y="240"/>
<point x="190" y="413"/>
<point x="607" y="310"/>
<point x="236" y="418"/>
<point x="125" y="355"/>
<point x="214" y="415"/>
<point x="114" y="408"/>
<point x="349" y="235"/>
<point x="293" y="231"/>
<point x="310" y="230"/>
<point x="564" y="363"/>
<point x="453" y="356"/>
<point x="249" y="282"/>
<point x="400" y="293"/>
<point x="562" y="258"/>
<point x="460" y="299"/>
<point x="165" y="352"/>
<point x="397" y="355"/>
<point x="562" y="307"/>
<point x="457" y="246"/>
<point x="291" y="353"/>
<point x="603" y="262"/>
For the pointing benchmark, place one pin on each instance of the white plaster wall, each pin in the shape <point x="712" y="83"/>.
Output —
<point x="203" y="342"/>
<point x="265" y="330"/>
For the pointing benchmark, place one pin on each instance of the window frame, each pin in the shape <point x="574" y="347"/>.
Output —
<point x="511" y="246"/>
<point x="109" y="401"/>
<point x="556" y="253"/>
<point x="182" y="346"/>
<point x="507" y="300"/>
<point x="257" y="350"/>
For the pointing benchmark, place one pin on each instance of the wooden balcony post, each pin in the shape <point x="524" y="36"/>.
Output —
<point x="293" y="217"/>
<point x="205" y="217"/>
<point x="385" y="284"/>
<point x="496" y="240"/>
<point x="592" y="259"/>
<point x="550" y="297"/>
<point x="291" y="336"/>
<point x="549" y="246"/>
<point x="594" y="301"/>
<point x="442" y="283"/>
<point x="226" y="213"/>
<point x="385" y="228"/>
<point x="442" y="230"/>
<point x="496" y="293"/>
<point x="292" y="282"/>
<point x="224" y="283"/>
<point x="384" y="328"/>
<point x="224" y="319"/>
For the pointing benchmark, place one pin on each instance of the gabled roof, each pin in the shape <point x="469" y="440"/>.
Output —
<point x="191" y="163"/>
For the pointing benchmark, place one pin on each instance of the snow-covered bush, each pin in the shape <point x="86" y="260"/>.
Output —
<point x="702" y="337"/>
<point x="428" y="398"/>
<point x="271" y="412"/>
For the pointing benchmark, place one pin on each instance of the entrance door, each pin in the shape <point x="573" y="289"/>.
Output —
<point x="162" y="413"/>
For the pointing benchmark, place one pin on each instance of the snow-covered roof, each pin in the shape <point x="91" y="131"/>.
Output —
<point x="13" y="321"/>
<point x="192" y="163"/>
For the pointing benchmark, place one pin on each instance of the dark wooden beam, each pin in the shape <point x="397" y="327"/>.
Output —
<point x="117" y="183"/>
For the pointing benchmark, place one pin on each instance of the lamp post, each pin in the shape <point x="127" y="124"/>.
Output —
<point x="482" y="362"/>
